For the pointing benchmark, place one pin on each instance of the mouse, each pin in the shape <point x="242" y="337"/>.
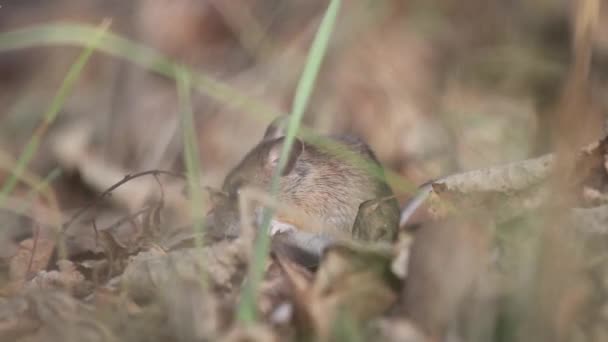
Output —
<point x="326" y="184"/>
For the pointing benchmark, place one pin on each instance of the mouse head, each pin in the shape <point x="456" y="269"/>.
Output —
<point x="259" y="165"/>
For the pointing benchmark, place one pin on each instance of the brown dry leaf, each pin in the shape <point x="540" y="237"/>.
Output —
<point x="130" y="321"/>
<point x="50" y="316"/>
<point x="67" y="278"/>
<point x="573" y="304"/>
<point x="99" y="234"/>
<point x="190" y="284"/>
<point x="277" y="290"/>
<point x="192" y="309"/>
<point x="23" y="262"/>
<point x="402" y="254"/>
<point x="272" y="291"/>
<point x="520" y="175"/>
<point x="593" y="197"/>
<point x="353" y="284"/>
<point x="145" y="273"/>
<point x="15" y="256"/>
<point x="14" y="321"/>
<point x="514" y="189"/>
<point x="590" y="170"/>
<point x="446" y="264"/>
<point x="511" y="191"/>
<point x="222" y="265"/>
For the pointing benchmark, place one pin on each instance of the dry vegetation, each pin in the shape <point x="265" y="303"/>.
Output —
<point x="501" y="103"/>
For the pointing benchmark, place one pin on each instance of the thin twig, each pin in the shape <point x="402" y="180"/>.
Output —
<point x="34" y="247"/>
<point x="108" y="191"/>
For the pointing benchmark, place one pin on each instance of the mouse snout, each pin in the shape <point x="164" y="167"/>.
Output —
<point x="222" y="220"/>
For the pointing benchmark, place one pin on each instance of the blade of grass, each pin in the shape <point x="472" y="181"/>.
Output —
<point x="117" y="46"/>
<point x="37" y="185"/>
<point x="191" y="154"/>
<point x="53" y="214"/>
<point x="43" y="185"/>
<point x="191" y="157"/>
<point x="145" y="57"/>
<point x="51" y="114"/>
<point x="247" y="308"/>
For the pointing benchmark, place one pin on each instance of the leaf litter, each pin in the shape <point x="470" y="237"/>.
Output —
<point x="131" y="268"/>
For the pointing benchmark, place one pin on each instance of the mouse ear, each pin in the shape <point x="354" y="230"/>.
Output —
<point x="276" y="129"/>
<point x="274" y="154"/>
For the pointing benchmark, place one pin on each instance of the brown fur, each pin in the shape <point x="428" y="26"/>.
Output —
<point x="324" y="184"/>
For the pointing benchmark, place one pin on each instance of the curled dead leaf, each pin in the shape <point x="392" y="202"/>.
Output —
<point x="447" y="260"/>
<point x="352" y="285"/>
<point x="222" y="265"/>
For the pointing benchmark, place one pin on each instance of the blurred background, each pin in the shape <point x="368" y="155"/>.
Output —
<point x="435" y="87"/>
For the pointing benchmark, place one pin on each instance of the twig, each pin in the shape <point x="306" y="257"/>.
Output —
<point x="34" y="247"/>
<point x="128" y="218"/>
<point x="94" y="224"/>
<point x="108" y="191"/>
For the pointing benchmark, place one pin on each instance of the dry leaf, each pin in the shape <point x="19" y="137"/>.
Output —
<point x="447" y="260"/>
<point x="192" y="309"/>
<point x="51" y="316"/>
<point x="222" y="265"/>
<point x="353" y="284"/>
<point x="402" y="248"/>
<point x="67" y="278"/>
<point x="24" y="262"/>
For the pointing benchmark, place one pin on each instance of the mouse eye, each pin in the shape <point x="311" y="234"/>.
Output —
<point x="234" y="194"/>
<point x="236" y="189"/>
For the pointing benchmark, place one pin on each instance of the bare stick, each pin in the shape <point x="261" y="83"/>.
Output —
<point x="108" y="191"/>
<point x="34" y="247"/>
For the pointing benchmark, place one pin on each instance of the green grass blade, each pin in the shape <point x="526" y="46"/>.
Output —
<point x="191" y="157"/>
<point x="44" y="185"/>
<point x="247" y="308"/>
<point x="117" y="46"/>
<point x="114" y="45"/>
<point x="191" y="153"/>
<point x="53" y="110"/>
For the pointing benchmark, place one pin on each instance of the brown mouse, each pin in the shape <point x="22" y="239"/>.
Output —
<point x="324" y="183"/>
